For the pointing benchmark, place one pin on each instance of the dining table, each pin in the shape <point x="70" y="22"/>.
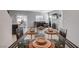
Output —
<point x="35" y="43"/>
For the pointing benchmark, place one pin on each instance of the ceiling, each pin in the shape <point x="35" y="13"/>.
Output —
<point x="43" y="11"/>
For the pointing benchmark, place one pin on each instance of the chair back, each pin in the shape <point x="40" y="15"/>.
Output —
<point x="63" y="32"/>
<point x="19" y="33"/>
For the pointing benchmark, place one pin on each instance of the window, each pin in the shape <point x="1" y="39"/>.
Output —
<point x="21" y="18"/>
<point x="39" y="18"/>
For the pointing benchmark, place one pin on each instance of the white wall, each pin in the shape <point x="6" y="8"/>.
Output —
<point x="30" y="15"/>
<point x="5" y="29"/>
<point x="13" y="16"/>
<point x="71" y="22"/>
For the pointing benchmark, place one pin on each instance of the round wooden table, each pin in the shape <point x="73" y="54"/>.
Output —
<point x="41" y="43"/>
<point x="31" y="33"/>
<point x="51" y="32"/>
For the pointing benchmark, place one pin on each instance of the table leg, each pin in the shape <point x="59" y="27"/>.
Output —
<point x="48" y="36"/>
<point x="51" y="36"/>
<point x="31" y="36"/>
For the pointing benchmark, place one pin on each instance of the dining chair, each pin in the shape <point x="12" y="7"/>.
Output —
<point x="19" y="33"/>
<point x="63" y="32"/>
